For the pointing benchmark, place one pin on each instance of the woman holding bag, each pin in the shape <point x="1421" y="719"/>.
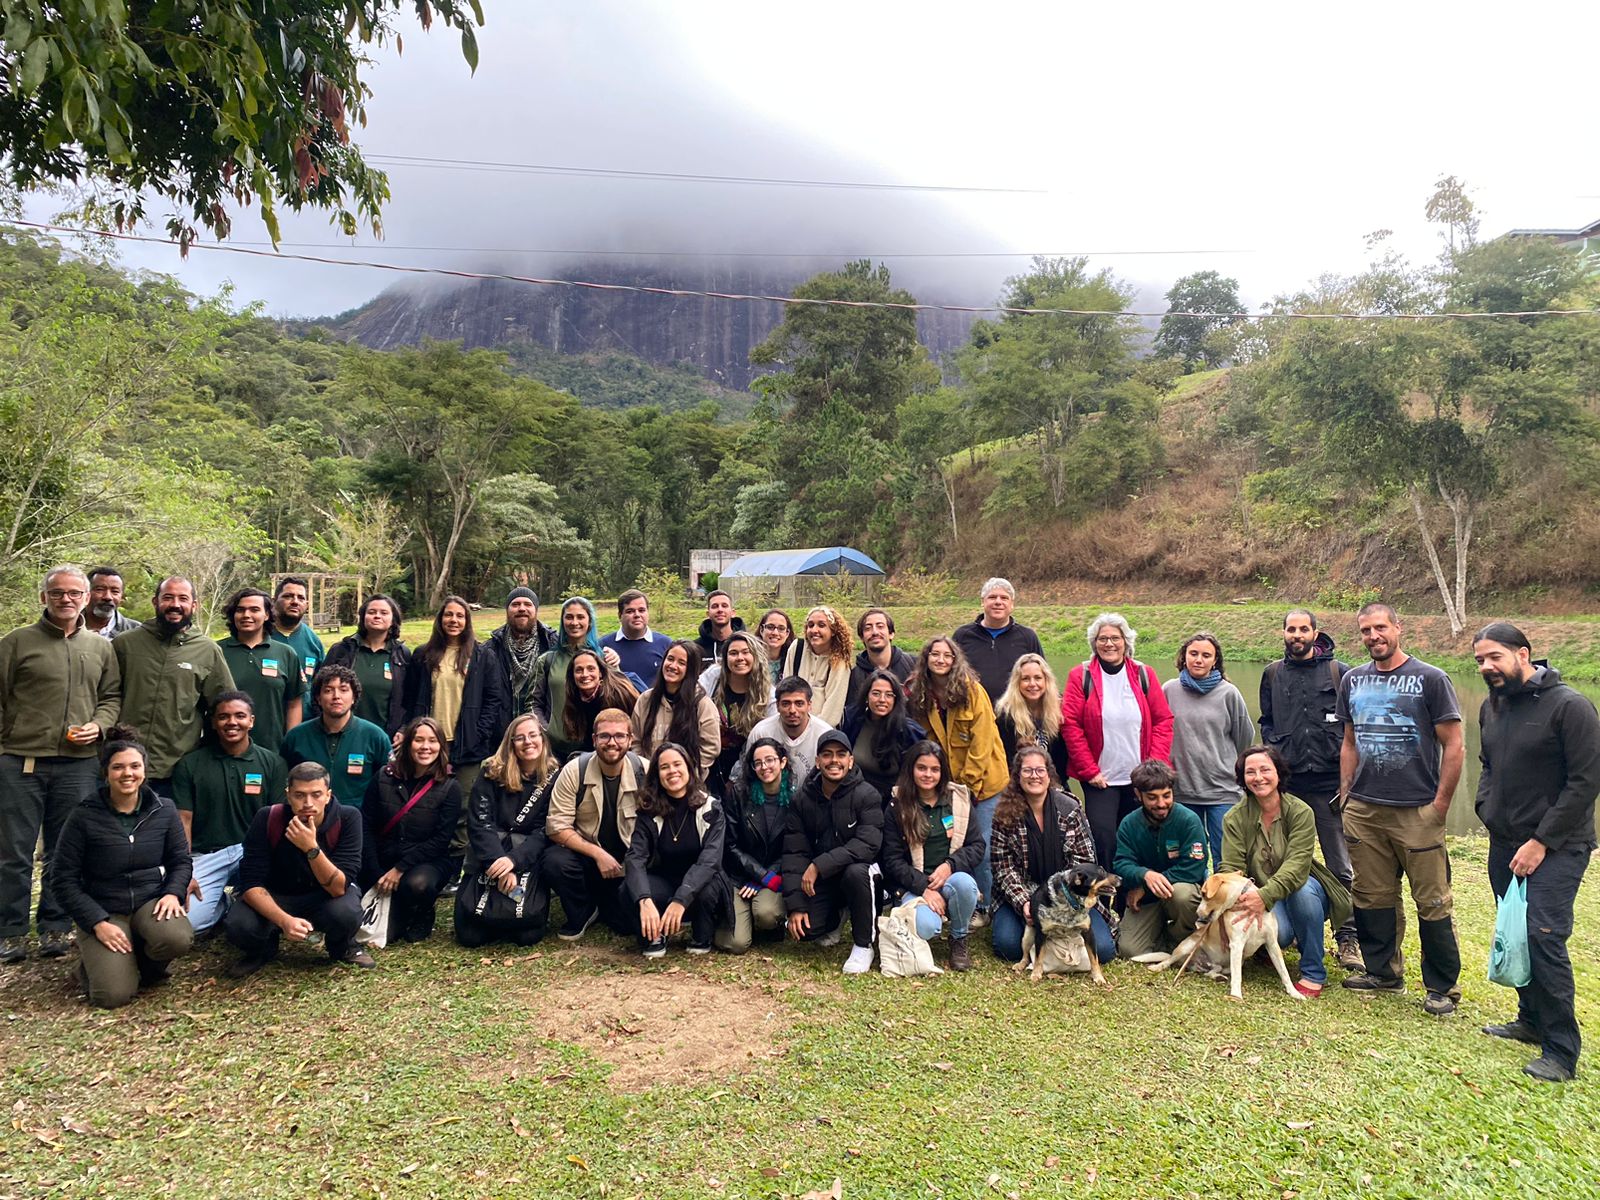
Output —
<point x="410" y="814"/>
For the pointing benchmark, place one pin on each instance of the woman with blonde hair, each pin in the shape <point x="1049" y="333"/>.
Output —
<point x="823" y="658"/>
<point x="1028" y="712"/>
<point x="502" y="896"/>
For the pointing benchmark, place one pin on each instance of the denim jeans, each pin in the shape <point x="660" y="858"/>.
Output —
<point x="1303" y="918"/>
<point x="1008" y="927"/>
<point x="1211" y="819"/>
<point x="960" y="894"/>
<point x="983" y="873"/>
<point x="214" y="872"/>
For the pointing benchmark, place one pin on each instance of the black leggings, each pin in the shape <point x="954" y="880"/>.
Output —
<point x="1106" y="807"/>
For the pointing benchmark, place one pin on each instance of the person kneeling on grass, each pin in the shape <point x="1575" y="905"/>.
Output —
<point x="1161" y="860"/>
<point x="301" y="859"/>
<point x="931" y="846"/>
<point x="121" y="869"/>
<point x="833" y="837"/>
<point x="674" y="864"/>
<point x="1272" y="838"/>
<point x="411" y="812"/>
<point x="756" y="814"/>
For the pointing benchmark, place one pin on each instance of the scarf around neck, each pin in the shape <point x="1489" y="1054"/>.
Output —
<point x="1204" y="686"/>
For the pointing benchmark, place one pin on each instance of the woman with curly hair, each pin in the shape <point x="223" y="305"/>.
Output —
<point x="946" y="698"/>
<point x="1028" y="712"/>
<point x="591" y="687"/>
<point x="674" y="861"/>
<point x="741" y="694"/>
<point x="675" y="709"/>
<point x="547" y="685"/>
<point x="410" y="815"/>
<point x="823" y="657"/>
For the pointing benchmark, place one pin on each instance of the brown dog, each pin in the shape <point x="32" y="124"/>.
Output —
<point x="1057" y="941"/>
<point x="1222" y="937"/>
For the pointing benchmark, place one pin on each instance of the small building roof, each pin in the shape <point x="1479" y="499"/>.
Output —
<point x="818" y="560"/>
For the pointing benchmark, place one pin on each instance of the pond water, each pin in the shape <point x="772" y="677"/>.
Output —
<point x="1470" y="690"/>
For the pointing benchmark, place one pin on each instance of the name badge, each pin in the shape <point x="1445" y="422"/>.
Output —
<point x="252" y="783"/>
<point x="1172" y="852"/>
<point x="388" y="669"/>
<point x="949" y="820"/>
<point x="307" y="671"/>
<point x="356" y="764"/>
<point x="269" y="667"/>
<point x="1197" y="851"/>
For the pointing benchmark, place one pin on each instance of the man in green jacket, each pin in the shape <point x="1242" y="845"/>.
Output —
<point x="60" y="691"/>
<point x="171" y="674"/>
<point x="1161" y="857"/>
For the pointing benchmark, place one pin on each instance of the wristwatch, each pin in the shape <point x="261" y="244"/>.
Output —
<point x="313" y="854"/>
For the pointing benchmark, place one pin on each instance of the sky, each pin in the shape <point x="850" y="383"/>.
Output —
<point x="1263" y="141"/>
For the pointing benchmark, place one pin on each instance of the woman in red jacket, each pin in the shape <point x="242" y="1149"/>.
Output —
<point x="1113" y="717"/>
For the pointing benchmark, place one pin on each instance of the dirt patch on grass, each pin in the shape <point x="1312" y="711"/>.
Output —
<point x="663" y="1028"/>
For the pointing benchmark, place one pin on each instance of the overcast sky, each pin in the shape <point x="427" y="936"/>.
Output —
<point x="1272" y="137"/>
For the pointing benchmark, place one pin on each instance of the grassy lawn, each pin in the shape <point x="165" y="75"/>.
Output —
<point x="581" y="1071"/>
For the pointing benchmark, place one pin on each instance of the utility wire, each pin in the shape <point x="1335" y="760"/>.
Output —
<point x="804" y="254"/>
<point x="691" y="293"/>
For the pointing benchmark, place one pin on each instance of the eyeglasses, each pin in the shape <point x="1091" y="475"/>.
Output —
<point x="523" y="739"/>
<point x="61" y="595"/>
<point x="1113" y="640"/>
<point x="766" y="762"/>
<point x="772" y="627"/>
<point x="612" y="737"/>
<point x="1034" y="771"/>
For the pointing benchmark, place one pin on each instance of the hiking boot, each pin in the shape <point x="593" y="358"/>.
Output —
<point x="1347" y="952"/>
<point x="357" y="956"/>
<point x="1438" y="1005"/>
<point x="656" y="948"/>
<point x="1548" y="1070"/>
<point x="13" y="949"/>
<point x="54" y="943"/>
<point x="250" y="964"/>
<point x="572" y="930"/>
<point x="1515" y="1031"/>
<point x="1366" y="981"/>
<point x="960" y="958"/>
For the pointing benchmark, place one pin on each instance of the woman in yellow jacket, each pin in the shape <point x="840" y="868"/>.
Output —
<point x="947" y="699"/>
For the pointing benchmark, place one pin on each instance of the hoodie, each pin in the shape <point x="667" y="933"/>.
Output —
<point x="1541" y="764"/>
<point x="710" y="648"/>
<point x="1298" y="697"/>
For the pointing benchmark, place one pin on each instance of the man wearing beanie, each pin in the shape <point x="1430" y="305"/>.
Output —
<point x="1536" y="797"/>
<point x="517" y="645"/>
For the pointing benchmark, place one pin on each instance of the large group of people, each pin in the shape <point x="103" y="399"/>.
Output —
<point x="741" y="786"/>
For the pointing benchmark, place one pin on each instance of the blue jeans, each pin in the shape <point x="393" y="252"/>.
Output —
<point x="960" y="894"/>
<point x="214" y="872"/>
<point x="1211" y="818"/>
<point x="1008" y="927"/>
<point x="983" y="818"/>
<point x="1303" y="918"/>
<point x="32" y="802"/>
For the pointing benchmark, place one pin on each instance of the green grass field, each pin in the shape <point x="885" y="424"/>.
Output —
<point x="582" y="1071"/>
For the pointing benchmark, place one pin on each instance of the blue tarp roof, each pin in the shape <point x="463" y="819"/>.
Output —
<point x="819" y="560"/>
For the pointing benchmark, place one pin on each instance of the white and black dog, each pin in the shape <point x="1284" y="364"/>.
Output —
<point x="1057" y="941"/>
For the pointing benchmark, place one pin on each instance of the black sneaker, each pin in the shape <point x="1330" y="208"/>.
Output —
<point x="656" y="949"/>
<point x="1438" y="1005"/>
<point x="571" y="932"/>
<point x="699" y="947"/>
<point x="13" y="949"/>
<point x="54" y="943"/>
<point x="249" y="965"/>
<point x="357" y="956"/>
<point x="1548" y="1070"/>
<point x="1368" y="982"/>
<point x="1515" y="1031"/>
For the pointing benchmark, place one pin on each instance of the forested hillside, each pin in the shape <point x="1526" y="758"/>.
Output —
<point x="1437" y="461"/>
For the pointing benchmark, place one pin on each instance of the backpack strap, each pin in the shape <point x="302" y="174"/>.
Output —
<point x="278" y="821"/>
<point x="1333" y="673"/>
<point x="1088" y="679"/>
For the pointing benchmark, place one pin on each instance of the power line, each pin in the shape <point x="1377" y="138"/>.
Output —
<point x="802" y="254"/>
<point x="511" y="168"/>
<point x="695" y="294"/>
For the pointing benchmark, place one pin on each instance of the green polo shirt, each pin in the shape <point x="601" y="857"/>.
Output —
<point x="376" y="673"/>
<point x="270" y="674"/>
<point x="225" y="791"/>
<point x="353" y="756"/>
<point x="312" y="652"/>
<point x="936" y="846"/>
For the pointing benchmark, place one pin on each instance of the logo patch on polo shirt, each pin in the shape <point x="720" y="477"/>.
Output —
<point x="252" y="783"/>
<point x="949" y="820"/>
<point x="269" y="667"/>
<point x="388" y="669"/>
<point x="355" y="764"/>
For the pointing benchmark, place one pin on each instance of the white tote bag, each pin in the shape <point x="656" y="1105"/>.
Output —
<point x="901" y="952"/>
<point x="374" y="929"/>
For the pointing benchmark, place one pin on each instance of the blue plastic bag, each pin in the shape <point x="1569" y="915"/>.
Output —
<point x="1509" y="963"/>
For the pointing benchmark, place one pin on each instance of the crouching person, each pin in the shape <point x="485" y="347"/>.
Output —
<point x="832" y="840"/>
<point x="1272" y="838"/>
<point x="298" y="874"/>
<point x="931" y="848"/>
<point x="121" y="870"/>
<point x="592" y="812"/>
<point x="411" y="813"/>
<point x="674" y="864"/>
<point x="756" y="813"/>
<point x="1161" y="860"/>
<point x="502" y="894"/>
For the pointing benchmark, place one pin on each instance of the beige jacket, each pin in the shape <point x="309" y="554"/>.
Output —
<point x="576" y="803"/>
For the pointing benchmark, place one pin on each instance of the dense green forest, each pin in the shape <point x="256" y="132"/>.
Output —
<point x="1428" y="459"/>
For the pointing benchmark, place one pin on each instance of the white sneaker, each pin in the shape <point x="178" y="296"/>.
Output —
<point x="860" y="960"/>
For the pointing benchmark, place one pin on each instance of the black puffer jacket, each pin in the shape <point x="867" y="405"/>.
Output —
<point x="99" y="868"/>
<point x="1297" y="697"/>
<point x="1541" y="764"/>
<point x="830" y="834"/>
<point x="421" y="836"/>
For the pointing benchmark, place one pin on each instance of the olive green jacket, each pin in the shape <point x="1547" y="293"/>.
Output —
<point x="1280" y="861"/>
<point x="168" y="684"/>
<point x="51" y="681"/>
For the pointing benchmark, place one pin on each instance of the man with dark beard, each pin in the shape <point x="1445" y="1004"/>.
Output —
<point x="518" y="644"/>
<point x="1541" y="772"/>
<point x="171" y="674"/>
<point x="290" y="600"/>
<point x="105" y="599"/>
